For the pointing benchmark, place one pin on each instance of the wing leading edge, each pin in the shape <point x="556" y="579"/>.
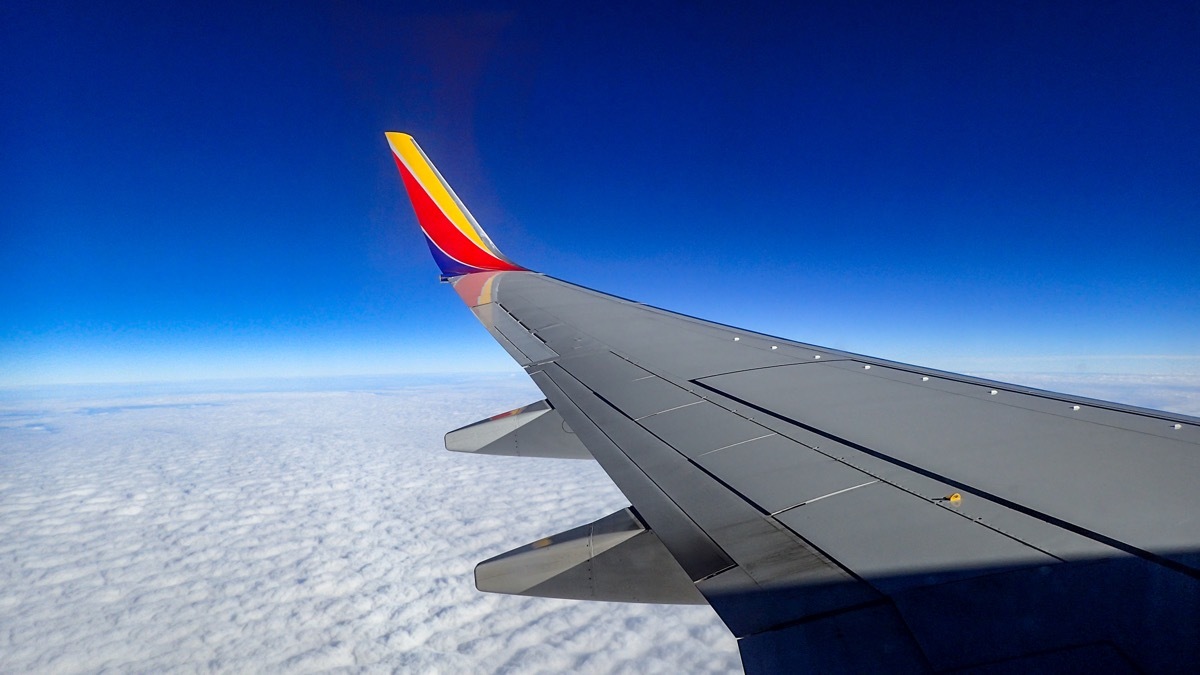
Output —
<point x="840" y="512"/>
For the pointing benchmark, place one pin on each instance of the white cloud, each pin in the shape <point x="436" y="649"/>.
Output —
<point x="1178" y="393"/>
<point x="253" y="530"/>
<point x="299" y="531"/>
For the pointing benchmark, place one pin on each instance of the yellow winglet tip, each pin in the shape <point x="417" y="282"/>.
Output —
<point x="395" y="137"/>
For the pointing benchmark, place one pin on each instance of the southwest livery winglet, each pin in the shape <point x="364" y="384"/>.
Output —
<point x="458" y="244"/>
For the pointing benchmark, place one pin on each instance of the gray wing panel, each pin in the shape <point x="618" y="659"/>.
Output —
<point x="777" y="473"/>
<point x="948" y="521"/>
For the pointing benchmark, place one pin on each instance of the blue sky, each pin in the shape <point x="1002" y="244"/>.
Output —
<point x="206" y="192"/>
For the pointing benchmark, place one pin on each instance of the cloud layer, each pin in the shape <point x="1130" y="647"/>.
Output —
<point x="299" y="531"/>
<point x="1179" y="393"/>
<point x="256" y="530"/>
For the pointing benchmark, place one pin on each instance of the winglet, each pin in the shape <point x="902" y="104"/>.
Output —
<point x="458" y="244"/>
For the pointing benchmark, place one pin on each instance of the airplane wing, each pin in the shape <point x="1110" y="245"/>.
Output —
<point x="839" y="512"/>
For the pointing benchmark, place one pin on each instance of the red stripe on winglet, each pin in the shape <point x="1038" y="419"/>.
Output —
<point x="443" y="232"/>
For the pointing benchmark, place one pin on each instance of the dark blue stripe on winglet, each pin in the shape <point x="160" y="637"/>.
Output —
<point x="449" y="266"/>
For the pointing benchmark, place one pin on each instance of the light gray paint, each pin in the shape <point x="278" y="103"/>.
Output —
<point x="701" y="427"/>
<point x="777" y="473"/>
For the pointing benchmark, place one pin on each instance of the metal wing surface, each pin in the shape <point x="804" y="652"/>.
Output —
<point x="841" y="512"/>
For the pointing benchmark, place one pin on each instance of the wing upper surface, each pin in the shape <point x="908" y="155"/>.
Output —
<point x="807" y="491"/>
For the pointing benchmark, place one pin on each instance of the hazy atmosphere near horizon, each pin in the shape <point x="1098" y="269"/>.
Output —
<point x="226" y="362"/>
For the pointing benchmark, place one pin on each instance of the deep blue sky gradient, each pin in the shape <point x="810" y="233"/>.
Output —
<point x="206" y="192"/>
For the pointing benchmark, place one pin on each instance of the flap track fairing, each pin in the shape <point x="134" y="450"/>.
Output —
<point x="535" y="430"/>
<point x="614" y="559"/>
